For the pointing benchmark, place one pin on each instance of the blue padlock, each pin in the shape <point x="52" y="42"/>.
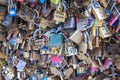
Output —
<point x="12" y="11"/>
<point x="11" y="8"/>
<point x="34" y="78"/>
<point x="45" y="78"/>
<point x="42" y="1"/>
<point x="56" y="40"/>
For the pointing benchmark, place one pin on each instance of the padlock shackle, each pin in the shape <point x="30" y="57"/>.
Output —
<point x="85" y="37"/>
<point x="88" y="36"/>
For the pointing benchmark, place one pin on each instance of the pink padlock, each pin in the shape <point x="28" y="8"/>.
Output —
<point x="118" y="1"/>
<point x="93" y="68"/>
<point x="117" y="28"/>
<point x="113" y="20"/>
<point x="21" y="1"/>
<point x="118" y="38"/>
<point x="107" y="63"/>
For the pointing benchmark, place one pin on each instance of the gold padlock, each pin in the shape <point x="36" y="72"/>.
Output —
<point x="98" y="11"/>
<point x="34" y="55"/>
<point x="59" y="14"/>
<point x="31" y="26"/>
<point x="104" y="32"/>
<point x="83" y="45"/>
<point x="77" y="37"/>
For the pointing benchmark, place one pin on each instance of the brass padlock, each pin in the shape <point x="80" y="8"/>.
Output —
<point x="26" y="54"/>
<point x="8" y="72"/>
<point x="34" y="55"/>
<point x="31" y="26"/>
<point x="77" y="37"/>
<point x="28" y="45"/>
<point x="59" y="14"/>
<point x="83" y="45"/>
<point x="98" y="11"/>
<point x="104" y="32"/>
<point x="70" y="49"/>
<point x="90" y="47"/>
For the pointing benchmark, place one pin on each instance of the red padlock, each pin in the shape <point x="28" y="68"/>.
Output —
<point x="20" y="1"/>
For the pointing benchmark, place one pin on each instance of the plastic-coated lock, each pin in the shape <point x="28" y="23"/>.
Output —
<point x="56" y="40"/>
<point x="21" y="1"/>
<point x="42" y="1"/>
<point x="12" y="12"/>
<point x="113" y="20"/>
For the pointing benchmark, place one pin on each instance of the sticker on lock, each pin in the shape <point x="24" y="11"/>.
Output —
<point x="59" y="16"/>
<point x="104" y="32"/>
<point x="70" y="51"/>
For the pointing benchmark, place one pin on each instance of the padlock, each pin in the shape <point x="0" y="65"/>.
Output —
<point x="44" y="23"/>
<point x="37" y="44"/>
<point x="46" y="9"/>
<point x="2" y="12"/>
<point x="93" y="32"/>
<point x="118" y="1"/>
<point x="70" y="49"/>
<point x="114" y="18"/>
<point x="104" y="3"/>
<point x="26" y="54"/>
<point x="25" y="13"/>
<point x="44" y="50"/>
<point x="3" y="2"/>
<point x="8" y="72"/>
<point x="59" y="14"/>
<point x="68" y="72"/>
<point x="56" y="2"/>
<point x="31" y="26"/>
<point x="94" y="68"/>
<point x="12" y="8"/>
<point x="28" y="45"/>
<point x="97" y="37"/>
<point x="7" y="21"/>
<point x="55" y="40"/>
<point x="34" y="55"/>
<point x="21" y="65"/>
<point x="98" y="11"/>
<point x="107" y="63"/>
<point x="21" y="1"/>
<point x="38" y="41"/>
<point x="69" y="23"/>
<point x="57" y="60"/>
<point x="21" y="75"/>
<point x="80" y="70"/>
<point x="104" y="32"/>
<point x="98" y="23"/>
<point x="90" y="47"/>
<point x="77" y="37"/>
<point x="83" y="45"/>
<point x="42" y="1"/>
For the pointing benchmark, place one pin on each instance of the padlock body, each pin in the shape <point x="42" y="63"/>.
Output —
<point x="77" y="37"/>
<point x="55" y="40"/>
